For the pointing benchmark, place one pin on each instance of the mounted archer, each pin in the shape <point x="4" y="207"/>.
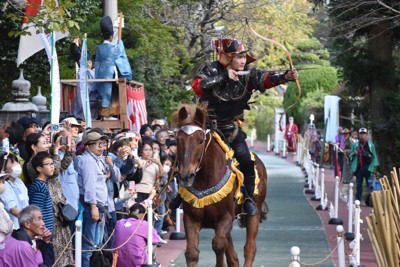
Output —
<point x="227" y="85"/>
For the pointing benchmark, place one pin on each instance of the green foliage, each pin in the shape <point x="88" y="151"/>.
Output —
<point x="307" y="45"/>
<point x="50" y="17"/>
<point x="313" y="103"/>
<point x="315" y="75"/>
<point x="261" y="115"/>
<point x="158" y="57"/>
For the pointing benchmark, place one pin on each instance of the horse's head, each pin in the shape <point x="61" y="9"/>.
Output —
<point x="191" y="135"/>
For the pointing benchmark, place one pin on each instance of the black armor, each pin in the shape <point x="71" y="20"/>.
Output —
<point x="227" y="100"/>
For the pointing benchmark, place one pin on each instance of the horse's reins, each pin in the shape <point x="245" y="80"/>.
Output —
<point x="171" y="176"/>
<point x="189" y="130"/>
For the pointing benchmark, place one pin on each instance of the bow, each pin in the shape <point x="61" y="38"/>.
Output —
<point x="290" y="62"/>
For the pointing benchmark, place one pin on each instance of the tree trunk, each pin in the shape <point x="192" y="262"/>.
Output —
<point x="380" y="48"/>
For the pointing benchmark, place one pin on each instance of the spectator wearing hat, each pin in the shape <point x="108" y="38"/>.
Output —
<point x="72" y="126"/>
<point x="93" y="189"/>
<point x="108" y="57"/>
<point x="363" y="160"/>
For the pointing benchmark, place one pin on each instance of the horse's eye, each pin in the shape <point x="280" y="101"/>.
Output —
<point x="201" y="141"/>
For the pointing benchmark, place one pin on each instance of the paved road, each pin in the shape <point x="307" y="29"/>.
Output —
<point x="291" y="221"/>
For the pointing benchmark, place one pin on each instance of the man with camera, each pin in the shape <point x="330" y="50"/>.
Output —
<point x="363" y="160"/>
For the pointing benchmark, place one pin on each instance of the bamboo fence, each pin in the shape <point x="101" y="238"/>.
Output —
<point x="384" y="222"/>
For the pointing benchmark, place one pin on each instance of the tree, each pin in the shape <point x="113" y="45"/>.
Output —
<point x="365" y="38"/>
<point x="316" y="74"/>
<point x="34" y="68"/>
<point x="261" y="115"/>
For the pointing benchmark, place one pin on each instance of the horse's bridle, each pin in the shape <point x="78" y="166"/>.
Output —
<point x="189" y="130"/>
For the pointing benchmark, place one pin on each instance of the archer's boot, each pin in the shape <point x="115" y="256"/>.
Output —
<point x="249" y="205"/>
<point x="175" y="202"/>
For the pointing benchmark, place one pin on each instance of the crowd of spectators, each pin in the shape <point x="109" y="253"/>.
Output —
<point x="103" y="178"/>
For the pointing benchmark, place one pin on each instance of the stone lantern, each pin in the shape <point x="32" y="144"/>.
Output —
<point x="21" y="106"/>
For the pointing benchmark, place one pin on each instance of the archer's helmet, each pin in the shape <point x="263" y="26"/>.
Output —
<point x="230" y="48"/>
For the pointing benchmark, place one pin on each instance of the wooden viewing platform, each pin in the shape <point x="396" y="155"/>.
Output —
<point x="68" y="95"/>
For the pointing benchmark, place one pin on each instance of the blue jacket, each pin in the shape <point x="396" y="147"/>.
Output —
<point x="109" y="55"/>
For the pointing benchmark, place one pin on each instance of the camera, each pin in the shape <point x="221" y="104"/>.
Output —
<point x="57" y="127"/>
<point x="63" y="140"/>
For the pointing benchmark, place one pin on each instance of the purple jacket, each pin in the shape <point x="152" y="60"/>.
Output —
<point x="19" y="253"/>
<point x="133" y="253"/>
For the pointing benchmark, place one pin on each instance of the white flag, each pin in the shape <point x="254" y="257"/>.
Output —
<point x="33" y="43"/>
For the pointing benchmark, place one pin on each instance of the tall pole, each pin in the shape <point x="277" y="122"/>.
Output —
<point x="110" y="8"/>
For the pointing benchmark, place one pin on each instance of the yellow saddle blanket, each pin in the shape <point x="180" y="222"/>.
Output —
<point x="203" y="198"/>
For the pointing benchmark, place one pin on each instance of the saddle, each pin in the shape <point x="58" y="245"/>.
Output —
<point x="203" y="198"/>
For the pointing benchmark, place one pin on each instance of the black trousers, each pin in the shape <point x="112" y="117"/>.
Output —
<point x="242" y="155"/>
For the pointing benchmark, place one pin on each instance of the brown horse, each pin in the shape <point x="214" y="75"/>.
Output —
<point x="208" y="194"/>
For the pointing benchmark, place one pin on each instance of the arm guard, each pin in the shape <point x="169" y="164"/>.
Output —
<point x="213" y="82"/>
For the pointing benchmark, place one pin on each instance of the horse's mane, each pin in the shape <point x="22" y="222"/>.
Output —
<point x="191" y="118"/>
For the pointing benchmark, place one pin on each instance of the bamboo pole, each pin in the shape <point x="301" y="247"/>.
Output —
<point x="395" y="180"/>
<point x="375" y="246"/>
<point x="384" y="221"/>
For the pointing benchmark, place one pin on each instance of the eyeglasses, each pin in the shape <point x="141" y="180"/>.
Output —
<point x="99" y="143"/>
<point x="48" y="164"/>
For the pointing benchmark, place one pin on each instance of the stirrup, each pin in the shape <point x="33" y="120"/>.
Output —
<point x="250" y="206"/>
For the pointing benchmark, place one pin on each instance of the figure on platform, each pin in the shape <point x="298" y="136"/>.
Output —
<point x="227" y="85"/>
<point x="111" y="62"/>
<point x="291" y="133"/>
<point x="92" y="91"/>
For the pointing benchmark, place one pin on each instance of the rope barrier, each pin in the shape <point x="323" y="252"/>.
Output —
<point x="325" y="258"/>
<point x="321" y="261"/>
<point x="67" y="247"/>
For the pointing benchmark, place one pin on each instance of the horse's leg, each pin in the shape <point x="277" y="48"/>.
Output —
<point x="250" y="247"/>
<point x="220" y="240"/>
<point x="231" y="255"/>
<point x="192" y="230"/>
